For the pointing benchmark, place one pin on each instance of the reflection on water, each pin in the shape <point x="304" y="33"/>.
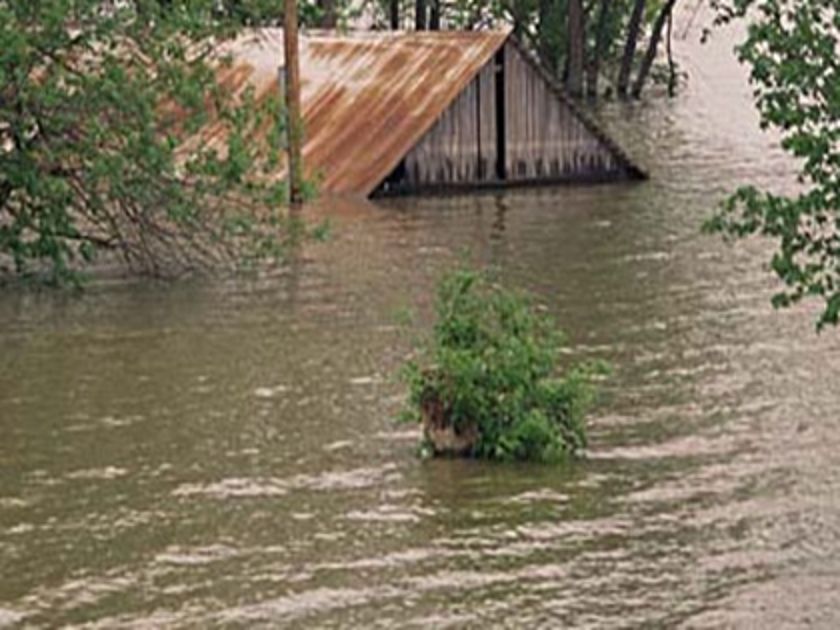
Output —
<point x="207" y="455"/>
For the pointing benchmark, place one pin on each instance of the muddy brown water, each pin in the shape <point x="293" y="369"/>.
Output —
<point x="224" y="454"/>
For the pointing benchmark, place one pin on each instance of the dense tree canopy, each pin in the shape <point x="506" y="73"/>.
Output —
<point x="98" y="101"/>
<point x="590" y="44"/>
<point x="793" y="50"/>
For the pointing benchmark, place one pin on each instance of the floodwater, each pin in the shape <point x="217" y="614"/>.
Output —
<point x="225" y="455"/>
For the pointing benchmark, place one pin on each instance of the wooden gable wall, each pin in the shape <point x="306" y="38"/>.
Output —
<point x="541" y="136"/>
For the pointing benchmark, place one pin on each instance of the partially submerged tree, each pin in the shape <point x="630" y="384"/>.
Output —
<point x="420" y="11"/>
<point x="633" y="30"/>
<point x="793" y="49"/>
<point x="662" y="19"/>
<point x="489" y="384"/>
<point x="97" y="104"/>
<point x="394" y="14"/>
<point x="593" y="68"/>
<point x="584" y="43"/>
<point x="576" y="39"/>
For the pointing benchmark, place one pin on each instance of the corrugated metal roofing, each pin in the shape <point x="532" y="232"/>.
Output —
<point x="367" y="97"/>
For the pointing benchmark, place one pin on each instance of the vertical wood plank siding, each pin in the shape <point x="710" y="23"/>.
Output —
<point x="544" y="137"/>
<point x="461" y="147"/>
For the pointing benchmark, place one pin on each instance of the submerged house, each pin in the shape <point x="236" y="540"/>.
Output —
<point x="406" y="112"/>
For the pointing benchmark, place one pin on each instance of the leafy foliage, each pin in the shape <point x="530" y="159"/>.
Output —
<point x="100" y="108"/>
<point x="260" y="12"/>
<point x="543" y="27"/>
<point x="793" y="49"/>
<point x="492" y="365"/>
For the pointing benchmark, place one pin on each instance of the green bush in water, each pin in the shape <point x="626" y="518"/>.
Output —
<point x="490" y="373"/>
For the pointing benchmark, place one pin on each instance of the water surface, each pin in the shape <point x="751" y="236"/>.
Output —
<point x="224" y="454"/>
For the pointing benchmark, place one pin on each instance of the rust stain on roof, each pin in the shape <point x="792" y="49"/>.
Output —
<point x="367" y="97"/>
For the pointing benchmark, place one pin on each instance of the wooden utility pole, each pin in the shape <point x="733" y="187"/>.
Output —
<point x="295" y="124"/>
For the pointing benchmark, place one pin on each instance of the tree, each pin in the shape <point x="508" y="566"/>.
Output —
<point x="329" y="13"/>
<point x="594" y="66"/>
<point x="394" y="14"/>
<point x="633" y="29"/>
<point x="102" y="107"/>
<point x="489" y="385"/>
<point x="550" y="37"/>
<point x="420" y="15"/>
<point x="581" y="42"/>
<point x="434" y="16"/>
<point x="650" y="55"/>
<point x="793" y="49"/>
<point x="576" y="38"/>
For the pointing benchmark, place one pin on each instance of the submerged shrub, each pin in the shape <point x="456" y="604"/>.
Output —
<point x="488" y="384"/>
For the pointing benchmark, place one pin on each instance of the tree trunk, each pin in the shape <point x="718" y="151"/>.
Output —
<point x="543" y="49"/>
<point x="394" y="11"/>
<point x="630" y="47"/>
<point x="672" y="69"/>
<point x="574" y="80"/>
<point x="295" y="131"/>
<point x="650" y="54"/>
<point x="329" y="14"/>
<point x="420" y="15"/>
<point x="434" y="16"/>
<point x="594" y="68"/>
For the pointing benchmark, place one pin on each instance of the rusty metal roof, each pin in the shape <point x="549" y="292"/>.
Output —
<point x="367" y="97"/>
